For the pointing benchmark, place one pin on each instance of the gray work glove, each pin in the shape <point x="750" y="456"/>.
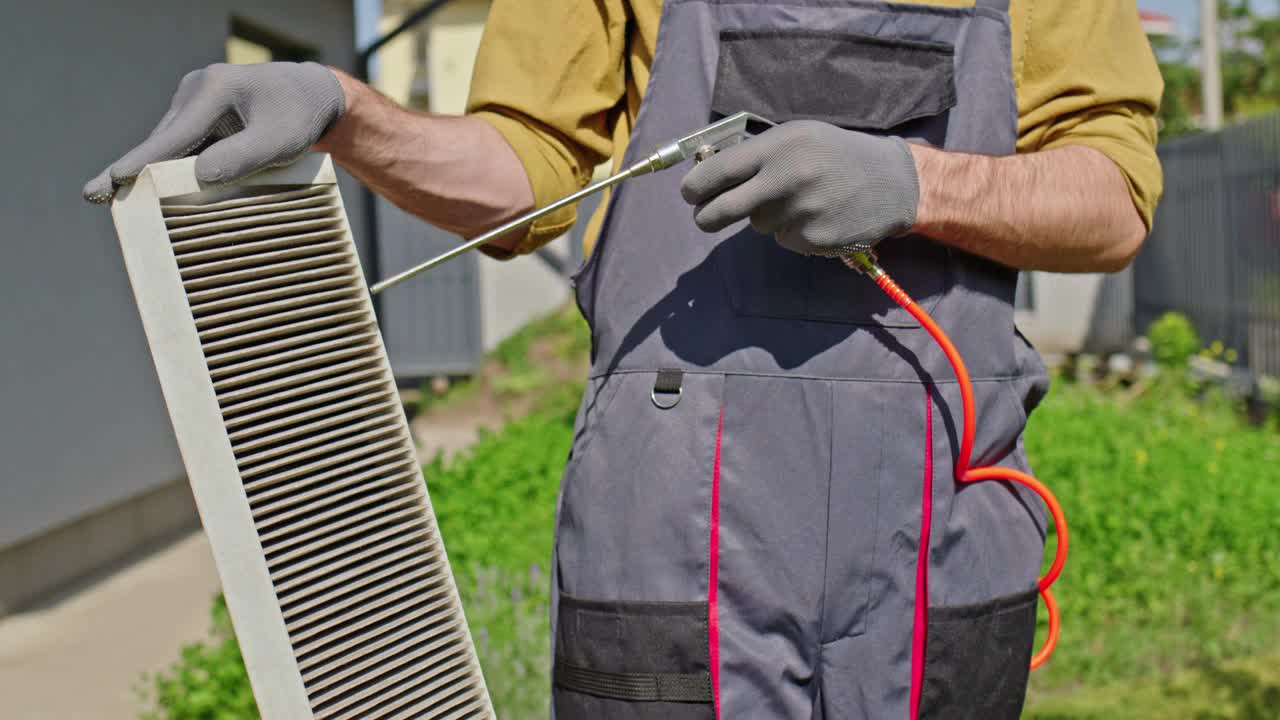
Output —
<point x="241" y="119"/>
<point x="820" y="189"/>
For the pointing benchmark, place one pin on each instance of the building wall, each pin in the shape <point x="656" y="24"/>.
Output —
<point x="1062" y="305"/>
<point x="514" y="292"/>
<point x="1074" y="313"/>
<point x="82" y="422"/>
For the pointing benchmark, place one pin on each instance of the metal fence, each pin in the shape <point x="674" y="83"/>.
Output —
<point x="1214" y="254"/>
<point x="432" y="325"/>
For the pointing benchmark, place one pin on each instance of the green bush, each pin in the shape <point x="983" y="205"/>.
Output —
<point x="208" y="682"/>
<point x="1173" y="340"/>
<point x="496" y="501"/>
<point x="496" y="508"/>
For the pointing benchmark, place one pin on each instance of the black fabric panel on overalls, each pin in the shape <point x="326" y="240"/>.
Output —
<point x="632" y="661"/>
<point x="883" y="84"/>
<point x="978" y="659"/>
<point x="896" y="86"/>
<point x="813" y="414"/>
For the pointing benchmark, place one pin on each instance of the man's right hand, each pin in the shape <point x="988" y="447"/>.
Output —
<point x="239" y="118"/>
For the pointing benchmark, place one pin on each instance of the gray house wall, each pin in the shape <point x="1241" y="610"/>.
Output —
<point x="83" y="429"/>
<point x="1071" y="313"/>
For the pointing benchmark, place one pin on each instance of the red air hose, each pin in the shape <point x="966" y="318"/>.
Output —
<point x="966" y="474"/>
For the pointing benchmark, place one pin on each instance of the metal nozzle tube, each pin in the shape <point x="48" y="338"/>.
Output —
<point x="648" y="165"/>
<point x="665" y="156"/>
<point x="701" y="142"/>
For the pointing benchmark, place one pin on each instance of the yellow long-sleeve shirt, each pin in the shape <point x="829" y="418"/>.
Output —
<point x="562" y="81"/>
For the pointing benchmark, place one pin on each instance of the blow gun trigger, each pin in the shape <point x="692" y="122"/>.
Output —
<point x="725" y="133"/>
<point x="702" y="152"/>
<point x="705" y="142"/>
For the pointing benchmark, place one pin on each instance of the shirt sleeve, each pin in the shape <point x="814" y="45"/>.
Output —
<point x="1086" y="75"/>
<point x="550" y="76"/>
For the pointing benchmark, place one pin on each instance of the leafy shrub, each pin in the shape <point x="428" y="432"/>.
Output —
<point x="496" y="501"/>
<point x="208" y="682"/>
<point x="1173" y="340"/>
<point x="496" y="506"/>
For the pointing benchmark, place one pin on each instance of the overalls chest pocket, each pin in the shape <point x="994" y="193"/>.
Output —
<point x="859" y="82"/>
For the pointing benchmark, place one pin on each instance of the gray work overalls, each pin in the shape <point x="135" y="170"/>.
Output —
<point x="741" y="517"/>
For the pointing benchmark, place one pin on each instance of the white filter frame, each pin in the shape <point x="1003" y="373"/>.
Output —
<point x="283" y="688"/>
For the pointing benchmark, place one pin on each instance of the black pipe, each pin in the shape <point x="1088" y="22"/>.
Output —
<point x="364" y="59"/>
<point x="560" y="266"/>
<point x="408" y="23"/>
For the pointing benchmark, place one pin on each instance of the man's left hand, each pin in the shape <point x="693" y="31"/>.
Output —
<point x="820" y="189"/>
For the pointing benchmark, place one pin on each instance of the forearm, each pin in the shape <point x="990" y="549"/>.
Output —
<point x="457" y="173"/>
<point x="1062" y="210"/>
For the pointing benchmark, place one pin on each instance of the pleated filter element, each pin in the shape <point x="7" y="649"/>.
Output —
<point x="296" y="446"/>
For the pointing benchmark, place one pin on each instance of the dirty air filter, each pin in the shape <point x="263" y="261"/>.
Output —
<point x="296" y="446"/>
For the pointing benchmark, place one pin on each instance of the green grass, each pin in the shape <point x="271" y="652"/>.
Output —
<point x="1238" y="690"/>
<point x="519" y="365"/>
<point x="496" y="500"/>
<point x="208" y="682"/>
<point x="564" y="330"/>
<point x="496" y="507"/>
<point x="509" y="615"/>
<point x="563" y="336"/>
<point x="1174" y="509"/>
<point x="1170" y="599"/>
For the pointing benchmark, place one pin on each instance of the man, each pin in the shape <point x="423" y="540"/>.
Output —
<point x="742" y="516"/>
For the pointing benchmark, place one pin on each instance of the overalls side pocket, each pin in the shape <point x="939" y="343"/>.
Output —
<point x="632" y="660"/>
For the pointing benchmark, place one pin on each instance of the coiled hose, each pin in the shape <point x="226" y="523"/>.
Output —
<point x="865" y="262"/>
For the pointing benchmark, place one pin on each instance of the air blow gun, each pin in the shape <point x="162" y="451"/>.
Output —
<point x="709" y="140"/>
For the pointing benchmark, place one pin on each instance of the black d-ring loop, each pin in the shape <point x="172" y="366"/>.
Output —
<point x="668" y="387"/>
<point x="664" y="403"/>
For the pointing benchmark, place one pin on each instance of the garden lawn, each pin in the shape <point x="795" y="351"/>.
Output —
<point x="1170" y="599"/>
<point x="1174" y="506"/>
<point x="1174" y="509"/>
